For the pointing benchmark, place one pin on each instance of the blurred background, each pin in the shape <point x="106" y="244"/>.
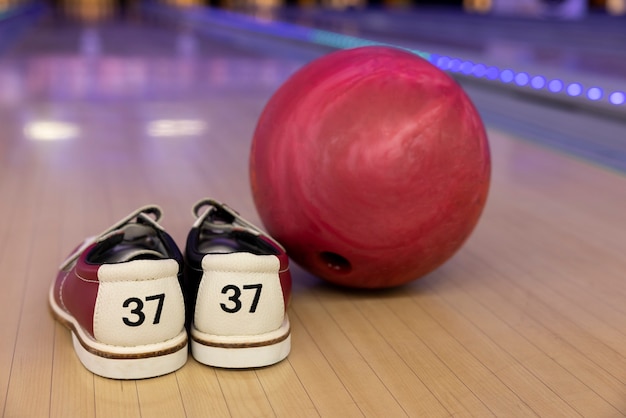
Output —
<point x="564" y="9"/>
<point x="562" y="60"/>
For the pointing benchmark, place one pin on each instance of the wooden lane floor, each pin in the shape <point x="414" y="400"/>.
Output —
<point x="526" y="320"/>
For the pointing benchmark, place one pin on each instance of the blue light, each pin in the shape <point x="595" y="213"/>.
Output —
<point x="507" y="76"/>
<point x="443" y="62"/>
<point x="466" y="67"/>
<point x="617" y="98"/>
<point x="341" y="41"/>
<point x="521" y="79"/>
<point x="538" y="82"/>
<point x="555" y="86"/>
<point x="492" y="73"/>
<point x="479" y="70"/>
<point x="574" y="89"/>
<point x="455" y="65"/>
<point x="594" y="93"/>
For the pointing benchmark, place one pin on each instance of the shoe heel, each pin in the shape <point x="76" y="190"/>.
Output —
<point x="122" y="363"/>
<point x="239" y="352"/>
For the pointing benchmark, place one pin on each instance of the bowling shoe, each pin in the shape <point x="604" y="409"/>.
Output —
<point x="120" y="295"/>
<point x="238" y="286"/>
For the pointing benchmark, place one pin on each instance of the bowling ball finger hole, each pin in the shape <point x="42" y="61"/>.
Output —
<point x="336" y="262"/>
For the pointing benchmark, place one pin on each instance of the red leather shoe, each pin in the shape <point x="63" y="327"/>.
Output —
<point x="120" y="295"/>
<point x="238" y="287"/>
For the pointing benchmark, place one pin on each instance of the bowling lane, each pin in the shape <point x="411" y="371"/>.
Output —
<point x="527" y="319"/>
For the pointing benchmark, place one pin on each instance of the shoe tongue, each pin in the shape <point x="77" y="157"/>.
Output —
<point x="115" y="234"/>
<point x="132" y="232"/>
<point x="105" y="245"/>
<point x="136" y="254"/>
<point x="132" y="241"/>
<point x="128" y="232"/>
<point x="112" y="240"/>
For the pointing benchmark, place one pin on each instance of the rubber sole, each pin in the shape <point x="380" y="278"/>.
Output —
<point x="116" y="362"/>
<point x="238" y="352"/>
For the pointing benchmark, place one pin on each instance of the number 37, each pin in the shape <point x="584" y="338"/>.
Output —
<point x="234" y="294"/>
<point x="137" y="310"/>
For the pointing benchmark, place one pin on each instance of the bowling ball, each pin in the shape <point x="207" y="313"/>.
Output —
<point x="371" y="166"/>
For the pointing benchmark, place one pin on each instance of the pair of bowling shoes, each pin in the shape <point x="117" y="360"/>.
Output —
<point x="134" y="303"/>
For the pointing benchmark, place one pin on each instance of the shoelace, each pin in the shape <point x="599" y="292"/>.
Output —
<point x="235" y="223"/>
<point x="141" y="213"/>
